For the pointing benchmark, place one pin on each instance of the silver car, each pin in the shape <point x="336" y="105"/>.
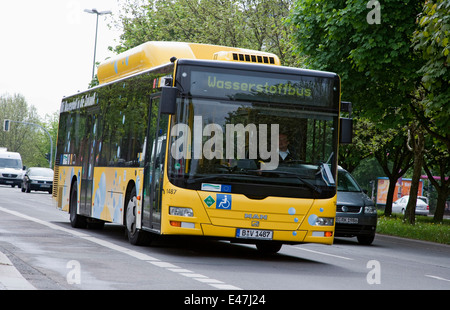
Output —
<point x="356" y="214"/>
<point x="422" y="207"/>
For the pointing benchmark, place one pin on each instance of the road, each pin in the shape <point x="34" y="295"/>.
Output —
<point x="51" y="255"/>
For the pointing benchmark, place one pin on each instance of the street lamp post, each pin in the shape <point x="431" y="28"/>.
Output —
<point x="95" y="11"/>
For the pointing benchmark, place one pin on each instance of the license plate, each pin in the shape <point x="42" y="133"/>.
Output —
<point x="45" y="185"/>
<point x="254" y="234"/>
<point x="347" y="220"/>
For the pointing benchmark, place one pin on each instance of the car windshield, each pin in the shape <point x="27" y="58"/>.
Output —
<point x="40" y="172"/>
<point x="346" y="183"/>
<point x="251" y="142"/>
<point x="10" y="163"/>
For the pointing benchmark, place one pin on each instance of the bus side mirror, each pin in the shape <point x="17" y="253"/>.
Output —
<point x="346" y="132"/>
<point x="346" y="106"/>
<point x="346" y="124"/>
<point x="168" y="100"/>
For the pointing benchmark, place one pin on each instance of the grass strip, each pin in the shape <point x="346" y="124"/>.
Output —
<point x="424" y="229"/>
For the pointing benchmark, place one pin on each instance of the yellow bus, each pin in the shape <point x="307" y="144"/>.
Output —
<point x="190" y="139"/>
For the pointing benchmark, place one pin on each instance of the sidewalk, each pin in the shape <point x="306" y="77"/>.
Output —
<point x="10" y="277"/>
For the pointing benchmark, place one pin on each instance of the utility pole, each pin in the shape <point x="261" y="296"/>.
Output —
<point x="95" y="11"/>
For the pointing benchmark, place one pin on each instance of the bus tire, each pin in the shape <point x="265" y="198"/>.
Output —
<point x="268" y="247"/>
<point x="76" y="220"/>
<point x="95" y="224"/>
<point x="135" y="236"/>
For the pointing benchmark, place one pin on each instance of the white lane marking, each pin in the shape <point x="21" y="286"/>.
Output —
<point x="225" y="287"/>
<point x="436" y="277"/>
<point x="164" y="264"/>
<point x="179" y="270"/>
<point x="208" y="280"/>
<point x="194" y="275"/>
<point x="321" y="253"/>
<point x="144" y="257"/>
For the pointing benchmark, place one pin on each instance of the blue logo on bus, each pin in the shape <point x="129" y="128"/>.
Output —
<point x="223" y="201"/>
<point x="226" y="188"/>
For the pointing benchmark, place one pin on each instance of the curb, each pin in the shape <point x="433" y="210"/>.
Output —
<point x="10" y="277"/>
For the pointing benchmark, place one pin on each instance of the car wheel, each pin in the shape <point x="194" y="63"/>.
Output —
<point x="365" y="239"/>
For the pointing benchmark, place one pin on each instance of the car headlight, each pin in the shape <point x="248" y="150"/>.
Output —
<point x="370" y="210"/>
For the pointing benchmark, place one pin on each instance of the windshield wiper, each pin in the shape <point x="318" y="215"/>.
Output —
<point x="311" y="186"/>
<point x="325" y="171"/>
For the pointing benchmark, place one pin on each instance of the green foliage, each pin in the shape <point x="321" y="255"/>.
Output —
<point x="389" y="83"/>
<point x="253" y="24"/>
<point x="375" y="61"/>
<point x="30" y="141"/>
<point x="431" y="39"/>
<point x="366" y="138"/>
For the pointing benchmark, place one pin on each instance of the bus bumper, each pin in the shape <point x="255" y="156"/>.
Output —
<point x="288" y="237"/>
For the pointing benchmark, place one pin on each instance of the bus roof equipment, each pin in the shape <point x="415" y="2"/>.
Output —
<point x="154" y="53"/>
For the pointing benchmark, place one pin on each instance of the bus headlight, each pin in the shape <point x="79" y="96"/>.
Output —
<point x="324" y="221"/>
<point x="181" y="211"/>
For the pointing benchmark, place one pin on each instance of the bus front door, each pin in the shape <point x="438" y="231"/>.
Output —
<point x="87" y="164"/>
<point x="154" y="167"/>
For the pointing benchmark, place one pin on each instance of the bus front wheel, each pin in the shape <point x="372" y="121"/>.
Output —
<point x="268" y="247"/>
<point x="135" y="236"/>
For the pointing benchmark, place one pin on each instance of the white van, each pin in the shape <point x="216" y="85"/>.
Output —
<point x="11" y="169"/>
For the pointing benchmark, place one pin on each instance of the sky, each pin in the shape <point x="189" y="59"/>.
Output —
<point x="47" y="48"/>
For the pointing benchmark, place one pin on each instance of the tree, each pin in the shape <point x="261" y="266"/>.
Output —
<point x="30" y="141"/>
<point x="253" y="24"/>
<point x="50" y="123"/>
<point x="416" y="144"/>
<point x="16" y="108"/>
<point x="376" y="62"/>
<point x="432" y="41"/>
<point x="395" y="159"/>
<point x="438" y="163"/>
<point x="432" y="109"/>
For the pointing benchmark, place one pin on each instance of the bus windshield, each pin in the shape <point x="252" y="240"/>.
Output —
<point x="277" y="134"/>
